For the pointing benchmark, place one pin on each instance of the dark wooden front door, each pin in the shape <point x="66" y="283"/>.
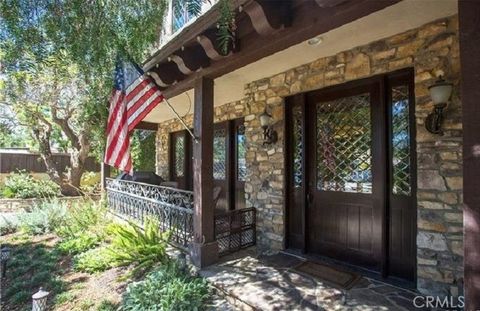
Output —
<point x="350" y="183"/>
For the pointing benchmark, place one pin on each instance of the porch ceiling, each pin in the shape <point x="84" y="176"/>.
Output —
<point x="397" y="18"/>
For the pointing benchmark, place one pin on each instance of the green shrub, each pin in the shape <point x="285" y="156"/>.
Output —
<point x="8" y="224"/>
<point x="83" y="216"/>
<point x="94" y="260"/>
<point x="43" y="218"/>
<point x="81" y="243"/>
<point x="90" y="182"/>
<point x="106" y="305"/>
<point x="22" y="185"/>
<point x="143" y="248"/>
<point x="63" y="298"/>
<point x="166" y="289"/>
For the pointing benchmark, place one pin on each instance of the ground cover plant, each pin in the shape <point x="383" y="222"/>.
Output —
<point x="86" y="261"/>
<point x="167" y="288"/>
<point x="24" y="186"/>
<point x="34" y="263"/>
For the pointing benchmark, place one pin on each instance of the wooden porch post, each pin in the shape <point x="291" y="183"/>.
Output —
<point x="204" y="250"/>
<point x="104" y="174"/>
<point x="469" y="13"/>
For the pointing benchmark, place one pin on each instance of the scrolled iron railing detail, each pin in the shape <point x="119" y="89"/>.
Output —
<point x="173" y="208"/>
<point x="177" y="197"/>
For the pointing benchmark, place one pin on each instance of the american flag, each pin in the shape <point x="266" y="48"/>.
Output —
<point x="133" y="97"/>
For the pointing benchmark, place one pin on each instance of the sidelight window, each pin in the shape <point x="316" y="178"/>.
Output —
<point x="180" y="156"/>
<point x="219" y="154"/>
<point x="400" y="140"/>
<point x="241" y="154"/>
<point x="297" y="149"/>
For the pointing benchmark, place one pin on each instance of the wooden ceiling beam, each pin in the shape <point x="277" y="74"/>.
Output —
<point x="209" y="42"/>
<point x="329" y="3"/>
<point x="308" y="20"/>
<point x="190" y="59"/>
<point x="187" y="35"/>
<point x="149" y="126"/>
<point x="268" y="16"/>
<point x="168" y="73"/>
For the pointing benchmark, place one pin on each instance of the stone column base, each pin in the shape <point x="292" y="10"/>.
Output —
<point x="204" y="255"/>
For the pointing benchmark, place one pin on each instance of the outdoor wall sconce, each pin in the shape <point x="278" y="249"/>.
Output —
<point x="39" y="300"/>
<point x="4" y="256"/>
<point x="440" y="93"/>
<point x="270" y="136"/>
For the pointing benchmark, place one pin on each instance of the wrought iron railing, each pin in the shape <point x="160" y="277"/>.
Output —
<point x="173" y="208"/>
<point x="235" y="230"/>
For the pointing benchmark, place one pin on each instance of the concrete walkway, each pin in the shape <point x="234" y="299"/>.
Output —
<point x="269" y="283"/>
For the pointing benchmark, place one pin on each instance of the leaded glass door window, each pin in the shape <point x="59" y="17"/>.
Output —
<point x="344" y="144"/>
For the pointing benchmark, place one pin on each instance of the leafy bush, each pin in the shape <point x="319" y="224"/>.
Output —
<point x="84" y="227"/>
<point x="8" y="224"/>
<point x="83" y="216"/>
<point x="166" y="289"/>
<point x="143" y="248"/>
<point x="94" y="260"/>
<point x="106" y="305"/>
<point x="90" y="182"/>
<point x="81" y="243"/>
<point x="22" y="185"/>
<point x="43" y="218"/>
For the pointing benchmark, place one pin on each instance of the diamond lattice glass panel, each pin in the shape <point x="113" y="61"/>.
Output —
<point x="219" y="154"/>
<point x="344" y="145"/>
<point x="179" y="156"/>
<point x="297" y="146"/>
<point x="241" y="152"/>
<point x="400" y="141"/>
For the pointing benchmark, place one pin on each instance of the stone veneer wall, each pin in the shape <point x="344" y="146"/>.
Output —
<point x="428" y="49"/>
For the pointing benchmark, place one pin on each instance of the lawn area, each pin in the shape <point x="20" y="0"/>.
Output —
<point x="87" y="261"/>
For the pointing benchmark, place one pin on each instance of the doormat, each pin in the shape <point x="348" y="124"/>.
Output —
<point x="337" y="278"/>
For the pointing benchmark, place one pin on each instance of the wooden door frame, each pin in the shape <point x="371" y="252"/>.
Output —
<point x="384" y="80"/>
<point x="234" y="124"/>
<point x="400" y="77"/>
<point x="298" y="99"/>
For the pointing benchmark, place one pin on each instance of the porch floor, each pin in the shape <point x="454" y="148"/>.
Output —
<point x="251" y="282"/>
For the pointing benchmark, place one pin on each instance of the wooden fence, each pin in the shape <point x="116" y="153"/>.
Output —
<point x="33" y="163"/>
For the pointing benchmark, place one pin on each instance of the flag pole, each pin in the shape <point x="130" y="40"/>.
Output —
<point x="181" y="120"/>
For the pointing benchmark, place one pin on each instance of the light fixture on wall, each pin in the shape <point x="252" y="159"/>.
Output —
<point x="270" y="136"/>
<point x="440" y="93"/>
